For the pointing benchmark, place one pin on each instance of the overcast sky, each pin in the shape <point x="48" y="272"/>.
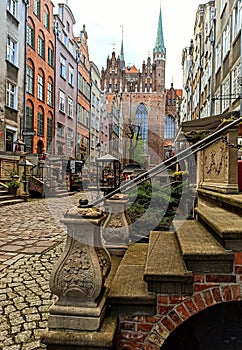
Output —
<point x="139" y="18"/>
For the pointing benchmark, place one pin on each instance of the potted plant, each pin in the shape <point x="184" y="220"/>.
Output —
<point x="13" y="184"/>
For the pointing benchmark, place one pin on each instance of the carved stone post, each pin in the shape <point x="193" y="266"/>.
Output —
<point x="218" y="165"/>
<point x="115" y="231"/>
<point x="79" y="275"/>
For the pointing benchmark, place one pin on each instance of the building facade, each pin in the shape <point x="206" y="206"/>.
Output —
<point x="95" y="114"/>
<point x="12" y="88"/>
<point x="143" y="98"/>
<point x="40" y="78"/>
<point x="66" y="70"/>
<point x="212" y="62"/>
<point x="84" y="97"/>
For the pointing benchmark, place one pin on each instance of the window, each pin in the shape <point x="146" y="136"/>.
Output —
<point x="29" y="125"/>
<point x="11" y="95"/>
<point x="12" y="7"/>
<point x="50" y="94"/>
<point x="62" y="67"/>
<point x="40" y="90"/>
<point x="169" y="132"/>
<point x="49" y="134"/>
<point x="30" y="35"/>
<point x="237" y="12"/>
<point x="225" y="94"/>
<point x="79" y="108"/>
<point x="60" y="130"/>
<point x="30" y="80"/>
<point x="64" y="38"/>
<point x="142" y="122"/>
<point x="29" y="118"/>
<point x="71" y="75"/>
<point x="218" y="56"/>
<point x="40" y="131"/>
<point x="70" y="107"/>
<point x="69" y="141"/>
<point x="62" y="101"/>
<point x="41" y="47"/>
<point x="46" y="19"/>
<point x="50" y="56"/>
<point x="226" y="39"/>
<point x="37" y="8"/>
<point x="12" y="51"/>
<point x="68" y="26"/>
<point x="235" y="82"/>
<point x="71" y="47"/>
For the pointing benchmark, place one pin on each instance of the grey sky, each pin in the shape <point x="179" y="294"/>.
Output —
<point x="103" y="20"/>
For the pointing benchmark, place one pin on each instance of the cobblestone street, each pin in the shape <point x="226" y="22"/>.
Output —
<point x="31" y="239"/>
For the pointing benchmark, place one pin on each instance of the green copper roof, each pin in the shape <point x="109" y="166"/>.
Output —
<point x="159" y="45"/>
<point x="122" y="51"/>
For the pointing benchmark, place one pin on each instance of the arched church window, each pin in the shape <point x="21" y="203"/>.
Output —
<point x="169" y="128"/>
<point x="142" y="123"/>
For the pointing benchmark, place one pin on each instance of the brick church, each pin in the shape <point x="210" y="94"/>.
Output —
<point x="148" y="110"/>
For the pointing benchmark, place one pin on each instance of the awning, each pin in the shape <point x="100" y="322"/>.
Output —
<point x="206" y="124"/>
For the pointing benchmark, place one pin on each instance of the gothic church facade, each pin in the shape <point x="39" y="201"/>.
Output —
<point x="143" y="102"/>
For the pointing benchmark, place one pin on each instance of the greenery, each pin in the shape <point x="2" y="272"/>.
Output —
<point x="14" y="182"/>
<point x="154" y="206"/>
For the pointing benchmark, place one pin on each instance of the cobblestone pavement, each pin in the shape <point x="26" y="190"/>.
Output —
<point x="31" y="240"/>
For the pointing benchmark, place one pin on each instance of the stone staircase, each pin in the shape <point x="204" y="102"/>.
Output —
<point x="6" y="198"/>
<point x="168" y="263"/>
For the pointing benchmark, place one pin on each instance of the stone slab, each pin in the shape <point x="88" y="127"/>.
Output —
<point x="165" y="270"/>
<point x="129" y="292"/>
<point x="226" y="224"/>
<point x="86" y="340"/>
<point x="201" y="252"/>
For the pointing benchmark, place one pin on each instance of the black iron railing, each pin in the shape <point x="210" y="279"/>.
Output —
<point x="163" y="166"/>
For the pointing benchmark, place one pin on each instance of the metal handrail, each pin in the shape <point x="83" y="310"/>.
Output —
<point x="200" y="145"/>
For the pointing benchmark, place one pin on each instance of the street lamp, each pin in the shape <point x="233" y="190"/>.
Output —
<point x="25" y="163"/>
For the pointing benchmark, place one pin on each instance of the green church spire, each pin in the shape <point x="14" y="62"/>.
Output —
<point x="159" y="45"/>
<point x="122" y="45"/>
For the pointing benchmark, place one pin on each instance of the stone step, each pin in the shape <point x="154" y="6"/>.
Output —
<point x="226" y="224"/>
<point x="11" y="201"/>
<point x="201" y="252"/>
<point x="231" y="202"/>
<point x="165" y="270"/>
<point x="128" y="292"/>
<point x="6" y="196"/>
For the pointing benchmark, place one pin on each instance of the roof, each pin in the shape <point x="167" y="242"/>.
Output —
<point x="208" y="123"/>
<point x="132" y="70"/>
<point x="107" y="158"/>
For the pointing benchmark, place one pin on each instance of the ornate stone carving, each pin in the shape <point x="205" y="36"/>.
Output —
<point x="115" y="231"/>
<point x="79" y="275"/>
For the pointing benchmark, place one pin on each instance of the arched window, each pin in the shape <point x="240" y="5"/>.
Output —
<point x="142" y="123"/>
<point x="169" y="128"/>
<point x="29" y="125"/>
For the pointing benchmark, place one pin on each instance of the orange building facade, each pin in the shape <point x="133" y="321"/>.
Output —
<point x="40" y="78"/>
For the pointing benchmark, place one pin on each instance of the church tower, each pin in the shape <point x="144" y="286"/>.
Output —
<point x="159" y="57"/>
<point x="142" y="100"/>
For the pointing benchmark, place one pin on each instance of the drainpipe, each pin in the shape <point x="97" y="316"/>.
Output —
<point x="240" y="64"/>
<point x="25" y="68"/>
<point x="55" y="85"/>
<point x="212" y="41"/>
<point x="200" y="75"/>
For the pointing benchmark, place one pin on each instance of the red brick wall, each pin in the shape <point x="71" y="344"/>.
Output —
<point x="149" y="333"/>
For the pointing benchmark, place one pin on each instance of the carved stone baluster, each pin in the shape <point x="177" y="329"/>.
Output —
<point x="115" y="231"/>
<point x="79" y="275"/>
